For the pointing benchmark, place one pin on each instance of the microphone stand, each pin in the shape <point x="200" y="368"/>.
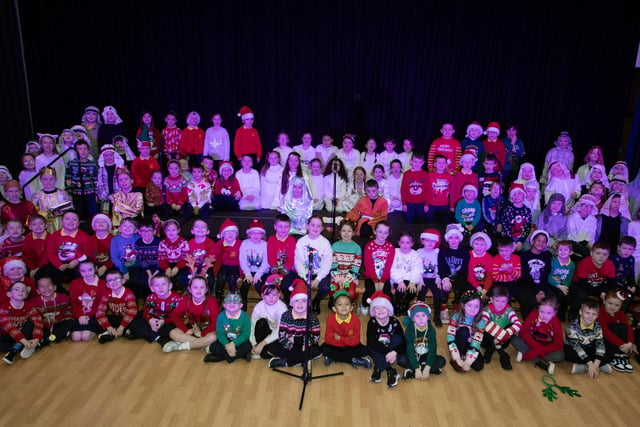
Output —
<point x="334" y="167"/>
<point x="306" y="375"/>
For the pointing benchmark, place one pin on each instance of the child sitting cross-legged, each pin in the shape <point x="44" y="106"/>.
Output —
<point x="502" y="324"/>
<point x="618" y="335"/>
<point x="421" y="358"/>
<point x="265" y="318"/>
<point x="465" y="333"/>
<point x="117" y="308"/>
<point x="232" y="330"/>
<point x="342" y="335"/>
<point x="20" y="325"/>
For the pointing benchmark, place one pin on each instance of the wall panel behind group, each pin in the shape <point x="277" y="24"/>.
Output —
<point x="372" y="68"/>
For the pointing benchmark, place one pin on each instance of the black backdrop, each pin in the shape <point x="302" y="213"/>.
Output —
<point x="372" y="68"/>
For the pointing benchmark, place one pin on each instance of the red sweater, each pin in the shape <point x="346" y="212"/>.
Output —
<point x="192" y="141"/>
<point x="85" y="298"/>
<point x="102" y="250"/>
<point x="414" y="186"/>
<point x="157" y="308"/>
<point x="247" y="141"/>
<point x="439" y="187"/>
<point x="503" y="270"/>
<point x="12" y="319"/>
<point x="226" y="188"/>
<point x="542" y="338"/>
<point x="378" y="260"/>
<point x="606" y="320"/>
<point x="348" y="331"/>
<point x="189" y="313"/>
<point x="280" y="254"/>
<point x="34" y="251"/>
<point x="479" y="273"/>
<point x="63" y="248"/>
<point x="496" y="147"/>
<point x="226" y="255"/>
<point x="141" y="170"/>
<point x="124" y="305"/>
<point x="53" y="311"/>
<point x="450" y="148"/>
<point x="173" y="252"/>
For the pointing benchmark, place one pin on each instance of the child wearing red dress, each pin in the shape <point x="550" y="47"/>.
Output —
<point x="117" y="308"/>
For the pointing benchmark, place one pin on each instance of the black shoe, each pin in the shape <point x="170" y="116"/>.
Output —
<point x="247" y="356"/>
<point x="128" y="333"/>
<point x="437" y="322"/>
<point x="505" y="361"/>
<point x="361" y="361"/>
<point x="542" y="364"/>
<point x="11" y="355"/>
<point x="105" y="337"/>
<point x="392" y="377"/>
<point x="408" y="374"/>
<point x="376" y="376"/>
<point x="277" y="362"/>
<point x="316" y="307"/>
<point x="213" y="358"/>
<point x="488" y="354"/>
<point x="327" y="361"/>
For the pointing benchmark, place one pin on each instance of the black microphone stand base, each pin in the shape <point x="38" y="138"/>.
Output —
<point x="306" y="378"/>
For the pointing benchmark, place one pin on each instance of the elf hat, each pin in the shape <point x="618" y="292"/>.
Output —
<point x="515" y="188"/>
<point x="474" y="125"/>
<point x="431" y="234"/>
<point x="299" y="290"/>
<point x="379" y="299"/>
<point x="227" y="225"/>
<point x="419" y="307"/>
<point x="481" y="235"/>
<point x="245" y="113"/>
<point x="101" y="216"/>
<point x="145" y="144"/>
<point x="492" y="127"/>
<point x="453" y="229"/>
<point x="470" y="186"/>
<point x="256" y="225"/>
<point x="225" y="164"/>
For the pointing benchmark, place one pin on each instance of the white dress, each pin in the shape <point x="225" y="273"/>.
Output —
<point x="270" y="187"/>
<point x="250" y="186"/>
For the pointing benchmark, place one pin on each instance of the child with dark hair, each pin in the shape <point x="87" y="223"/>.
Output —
<point x="55" y="310"/>
<point x="502" y="324"/>
<point x="553" y="219"/>
<point x="21" y="327"/>
<point x="226" y="191"/>
<point x="594" y="277"/>
<point x="414" y="189"/>
<point x="281" y="249"/>
<point x="540" y="339"/>
<point x="336" y="172"/>
<point x="171" y="137"/>
<point x="265" y="318"/>
<point x="489" y="174"/>
<point x="198" y="195"/>
<point x="453" y="262"/>
<point x="625" y="264"/>
<point x="377" y="258"/>
<point x="516" y="219"/>
<point x="148" y="132"/>
<point x="536" y="264"/>
<point x="465" y="334"/>
<point x="175" y="189"/>
<point x="117" y="308"/>
<point x="172" y="253"/>
<point x="147" y="253"/>
<point x="560" y="276"/>
<point x="347" y="259"/>
<point x="369" y="210"/>
<point x="479" y="273"/>
<point x="227" y="262"/>
<point x="233" y="328"/>
<point x="421" y="358"/>
<point x="406" y="272"/>
<point x="85" y="294"/>
<point x="584" y="342"/>
<point x="431" y="280"/>
<point x="314" y="255"/>
<point x="618" y="335"/>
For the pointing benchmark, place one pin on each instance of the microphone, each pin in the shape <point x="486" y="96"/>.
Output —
<point x="335" y="166"/>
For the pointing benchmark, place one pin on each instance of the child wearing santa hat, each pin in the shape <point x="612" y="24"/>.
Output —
<point x="421" y="358"/>
<point x="516" y="218"/>
<point x="290" y="348"/>
<point x="227" y="265"/>
<point x="247" y="139"/>
<point x="428" y="253"/>
<point x="226" y="190"/>
<point x="493" y="144"/>
<point x="472" y="142"/>
<point x="253" y="255"/>
<point x="468" y="211"/>
<point x="385" y="339"/>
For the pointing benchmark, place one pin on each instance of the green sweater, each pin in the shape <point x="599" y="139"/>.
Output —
<point x="236" y="330"/>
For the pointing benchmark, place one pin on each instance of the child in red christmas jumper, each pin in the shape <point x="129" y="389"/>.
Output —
<point x="506" y="270"/>
<point x="172" y="253"/>
<point x="247" y="139"/>
<point x="15" y="207"/>
<point x="447" y="146"/>
<point x="55" y="310"/>
<point x="541" y="339"/>
<point x="479" y="275"/>
<point x="438" y="190"/>
<point x="34" y="248"/>
<point x="14" y="270"/>
<point x="155" y="325"/>
<point x="281" y="248"/>
<point x="378" y="257"/>
<point x="192" y="139"/>
<point x="175" y="186"/>
<point x="85" y="294"/>
<point x="494" y="145"/>
<point x="502" y="324"/>
<point x="227" y="267"/>
<point x="102" y="226"/>
<point x="143" y="165"/>
<point x="12" y="245"/>
<point x="618" y="335"/>
<point x="194" y="320"/>
<point x="117" y="308"/>
<point x="414" y="189"/>
<point x="385" y="339"/>
<point x="200" y="252"/>
<point x="171" y="137"/>
<point x="154" y="195"/>
<point x="342" y="334"/>
<point x="226" y="191"/>
<point x="21" y="325"/>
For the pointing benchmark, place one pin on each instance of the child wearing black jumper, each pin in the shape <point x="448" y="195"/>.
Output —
<point x="385" y="338"/>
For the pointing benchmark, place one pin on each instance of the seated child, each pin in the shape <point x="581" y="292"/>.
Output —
<point x="290" y="349"/>
<point x="342" y="334"/>
<point x="193" y="321"/>
<point x="253" y="255"/>
<point x="200" y="252"/>
<point x="385" y="339"/>
<point x="594" y="277"/>
<point x="175" y="186"/>
<point x="16" y="207"/>
<point x="492" y="204"/>
<point x="21" y="325"/>
<point x="377" y="258"/>
<point x="233" y="328"/>
<point x="199" y="195"/>
<point x="479" y="273"/>
<point x="249" y="181"/>
<point x="369" y="210"/>
<point x="117" y="308"/>
<point x="14" y="270"/>
<point x="123" y="253"/>
<point x="101" y="239"/>
<point x="624" y="263"/>
<point x="617" y="333"/>
<point x="51" y="202"/>
<point x="406" y="273"/>
<point x="465" y="334"/>
<point x="55" y="310"/>
<point x="540" y="339"/>
<point x="468" y="211"/>
<point x="394" y="181"/>
<point x="265" y="318"/>
<point x="584" y="342"/>
<point x="154" y="200"/>
<point x="315" y="247"/>
<point x="85" y="293"/>
<point x="506" y="270"/>
<point x="146" y="249"/>
<point x="271" y="180"/>
<point x="13" y="244"/>
<point x="516" y="219"/>
<point x="502" y="324"/>
<point x="421" y="358"/>
<point x="34" y="249"/>
<point x="582" y="225"/>
<point x="281" y="248"/>
<point x="155" y="325"/>
<point x="226" y="191"/>
<point x="172" y="253"/>
<point x="347" y="259"/>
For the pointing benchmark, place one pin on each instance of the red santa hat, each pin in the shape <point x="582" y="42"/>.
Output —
<point x="225" y="164"/>
<point x="272" y="280"/>
<point x="431" y="234"/>
<point x="474" y="125"/>
<point x="298" y="290"/>
<point x="256" y="225"/>
<point x="492" y="127"/>
<point x="469" y="155"/>
<point x="12" y="262"/>
<point x="516" y="187"/>
<point x="469" y="186"/>
<point x="380" y="299"/>
<point x="227" y="225"/>
<point x="245" y="113"/>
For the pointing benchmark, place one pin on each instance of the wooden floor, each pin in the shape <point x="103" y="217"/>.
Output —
<point x="133" y="383"/>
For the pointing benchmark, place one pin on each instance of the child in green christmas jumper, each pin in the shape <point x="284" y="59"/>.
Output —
<point x="347" y="258"/>
<point x="421" y="358"/>
<point x="232" y="330"/>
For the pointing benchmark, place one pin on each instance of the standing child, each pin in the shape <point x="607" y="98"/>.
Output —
<point x="406" y="273"/>
<point x="465" y="333"/>
<point x="306" y="151"/>
<point x="146" y="249"/>
<point x="472" y="142"/>
<point x="192" y="139"/>
<point x="584" y="342"/>
<point x="85" y="294"/>
<point x="15" y="207"/>
<point x="492" y="207"/>
<point x="233" y="328"/>
<point x="216" y="140"/>
<point x="253" y="255"/>
<point x="143" y="165"/>
<point x="562" y="153"/>
<point x="171" y="137"/>
<point x="108" y="163"/>
<point x="314" y="255"/>
<point x="265" y="318"/>
<point x="506" y="270"/>
<point x="385" y="339"/>
<point x="447" y="146"/>
<point x="316" y="184"/>
<point x="463" y="177"/>
<point x="421" y="358"/>
<point x="348" y="154"/>
<point x="502" y="324"/>
<point x="342" y="335"/>
<point x="48" y="157"/>
<point x="123" y="253"/>
<point x="468" y="211"/>
<point x="117" y="308"/>
<point x="326" y="150"/>
<point x="227" y="267"/>
<point x="200" y="252"/>
<point x="12" y="245"/>
<point x="347" y="258"/>
<point x="378" y="258"/>
<point x="82" y="180"/>
<point x="514" y="148"/>
<point x="431" y="281"/>
<point x="388" y="155"/>
<point x="292" y="346"/>
<point x="489" y="175"/>
<point x="28" y="176"/>
<point x="194" y="320"/>
<point x="247" y="139"/>
<point x="414" y="190"/>
<point x="226" y="191"/>
<point x="617" y="333"/>
<point x="283" y="148"/>
<point x="21" y="325"/>
<point x="394" y="182"/>
<point x="540" y="339"/>
<point x="493" y="145"/>
<point x="336" y="184"/>
<point x="407" y="153"/>
<point x="369" y="158"/>
<point x="270" y="181"/>
<point x="148" y="132"/>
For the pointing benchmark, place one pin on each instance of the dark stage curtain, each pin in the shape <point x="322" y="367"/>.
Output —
<point x="367" y="67"/>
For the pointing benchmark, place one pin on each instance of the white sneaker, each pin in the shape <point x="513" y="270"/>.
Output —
<point x="171" y="346"/>
<point x="27" y="352"/>
<point x="444" y="315"/>
<point x="364" y="310"/>
<point x="551" y="369"/>
<point x="627" y="365"/>
<point x="519" y="357"/>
